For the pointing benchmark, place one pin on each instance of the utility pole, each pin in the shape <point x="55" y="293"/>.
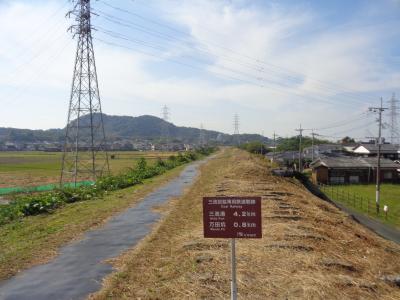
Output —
<point x="312" y="143"/>
<point x="300" y="130"/>
<point x="85" y="146"/>
<point x="378" y="110"/>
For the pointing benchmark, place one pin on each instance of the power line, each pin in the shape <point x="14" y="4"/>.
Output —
<point x="258" y="61"/>
<point x="43" y="68"/>
<point x="259" y="81"/>
<point x="344" y="122"/>
<point x="36" y="54"/>
<point x="291" y="79"/>
<point x="218" y="74"/>
<point x="31" y="37"/>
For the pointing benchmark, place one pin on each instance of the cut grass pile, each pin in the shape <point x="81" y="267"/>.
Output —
<point x="309" y="249"/>
<point x="362" y="199"/>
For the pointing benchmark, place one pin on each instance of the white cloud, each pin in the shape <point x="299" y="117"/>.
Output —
<point x="241" y="36"/>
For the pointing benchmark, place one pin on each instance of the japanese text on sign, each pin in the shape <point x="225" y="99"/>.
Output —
<point x="232" y="217"/>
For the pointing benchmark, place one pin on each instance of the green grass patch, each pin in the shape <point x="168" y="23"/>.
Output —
<point x="362" y="199"/>
<point x="30" y="168"/>
<point x="35" y="239"/>
<point x="40" y="203"/>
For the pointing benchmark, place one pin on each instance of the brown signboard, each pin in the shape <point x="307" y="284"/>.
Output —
<point x="232" y="217"/>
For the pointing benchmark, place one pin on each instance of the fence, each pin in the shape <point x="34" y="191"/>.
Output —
<point x="366" y="205"/>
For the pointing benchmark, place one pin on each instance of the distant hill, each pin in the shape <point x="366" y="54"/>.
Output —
<point x="131" y="128"/>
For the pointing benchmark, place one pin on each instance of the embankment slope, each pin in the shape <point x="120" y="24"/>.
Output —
<point x="310" y="249"/>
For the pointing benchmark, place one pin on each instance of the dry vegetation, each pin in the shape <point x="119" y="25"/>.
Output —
<point x="37" y="239"/>
<point x="310" y="249"/>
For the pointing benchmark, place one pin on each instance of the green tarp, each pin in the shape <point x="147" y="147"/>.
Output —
<point x="41" y="188"/>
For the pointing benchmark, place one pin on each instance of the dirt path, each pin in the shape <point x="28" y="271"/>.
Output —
<point x="80" y="267"/>
<point x="310" y="249"/>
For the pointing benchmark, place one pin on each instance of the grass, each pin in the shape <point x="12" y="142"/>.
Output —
<point x="32" y="168"/>
<point x="36" y="239"/>
<point x="362" y="199"/>
<point x="318" y="254"/>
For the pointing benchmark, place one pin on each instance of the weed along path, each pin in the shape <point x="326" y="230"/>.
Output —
<point x="80" y="266"/>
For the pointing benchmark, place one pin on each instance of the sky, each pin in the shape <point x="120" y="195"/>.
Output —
<point x="277" y="64"/>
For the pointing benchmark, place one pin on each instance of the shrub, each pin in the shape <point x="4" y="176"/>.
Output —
<point x="38" y="203"/>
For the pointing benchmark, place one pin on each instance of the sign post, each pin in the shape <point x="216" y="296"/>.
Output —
<point x="232" y="217"/>
<point x="233" y="270"/>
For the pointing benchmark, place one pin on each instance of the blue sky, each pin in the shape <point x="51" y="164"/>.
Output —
<point x="275" y="63"/>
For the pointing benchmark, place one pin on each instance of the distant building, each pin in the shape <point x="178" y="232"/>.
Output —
<point x="286" y="158"/>
<point x="345" y="170"/>
<point x="390" y="151"/>
<point x="322" y="149"/>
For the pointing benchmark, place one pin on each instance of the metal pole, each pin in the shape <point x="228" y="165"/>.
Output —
<point x="312" y="141"/>
<point x="378" y="169"/>
<point x="233" y="271"/>
<point x="300" y="151"/>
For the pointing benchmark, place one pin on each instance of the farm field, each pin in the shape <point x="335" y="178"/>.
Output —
<point x="37" y="239"/>
<point x="358" y="196"/>
<point x="26" y="169"/>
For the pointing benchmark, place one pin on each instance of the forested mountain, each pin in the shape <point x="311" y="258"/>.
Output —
<point x="132" y="128"/>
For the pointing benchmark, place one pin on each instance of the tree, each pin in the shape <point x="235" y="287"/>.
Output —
<point x="255" y="147"/>
<point x="292" y="143"/>
<point x="347" y="140"/>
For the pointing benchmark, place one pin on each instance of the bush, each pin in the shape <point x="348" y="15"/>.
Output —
<point x="38" y="203"/>
<point x="255" y="147"/>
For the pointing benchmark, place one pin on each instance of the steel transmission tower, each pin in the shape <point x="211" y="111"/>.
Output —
<point x="236" y="124"/>
<point x="85" y="147"/>
<point x="236" y="128"/>
<point x="300" y="130"/>
<point x="165" y="113"/>
<point x="165" y="127"/>
<point x="393" y="113"/>
<point x="202" y="137"/>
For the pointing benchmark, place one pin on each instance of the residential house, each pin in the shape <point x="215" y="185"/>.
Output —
<point x="322" y="149"/>
<point x="286" y="158"/>
<point x="346" y="170"/>
<point x="390" y="151"/>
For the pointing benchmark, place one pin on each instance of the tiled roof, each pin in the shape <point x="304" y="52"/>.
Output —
<point x="353" y="162"/>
